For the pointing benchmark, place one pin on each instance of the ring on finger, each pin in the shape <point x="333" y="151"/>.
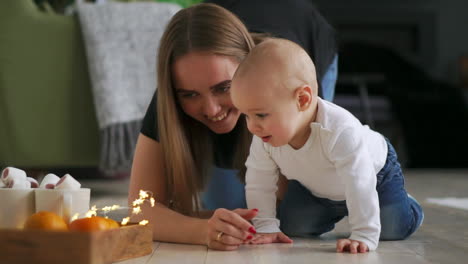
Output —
<point x="220" y="234"/>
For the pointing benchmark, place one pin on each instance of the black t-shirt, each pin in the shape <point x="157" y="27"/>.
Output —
<point x="296" y="20"/>
<point x="150" y="126"/>
<point x="223" y="144"/>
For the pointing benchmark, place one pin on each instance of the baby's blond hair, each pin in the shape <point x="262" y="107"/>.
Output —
<point x="281" y="61"/>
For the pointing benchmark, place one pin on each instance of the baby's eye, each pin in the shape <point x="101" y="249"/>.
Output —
<point x="261" y="115"/>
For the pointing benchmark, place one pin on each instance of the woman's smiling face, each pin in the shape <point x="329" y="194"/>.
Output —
<point x="202" y="82"/>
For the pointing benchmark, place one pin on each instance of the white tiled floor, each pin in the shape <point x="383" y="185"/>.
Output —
<point x="302" y="251"/>
<point x="443" y="238"/>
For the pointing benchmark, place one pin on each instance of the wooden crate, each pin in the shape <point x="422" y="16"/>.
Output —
<point x="101" y="247"/>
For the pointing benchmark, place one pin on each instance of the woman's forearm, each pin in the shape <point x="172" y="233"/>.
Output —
<point x="170" y="226"/>
<point x="148" y="174"/>
<point x="206" y="214"/>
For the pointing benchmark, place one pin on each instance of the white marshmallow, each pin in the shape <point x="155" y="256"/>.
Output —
<point x="14" y="184"/>
<point x="34" y="183"/>
<point x="49" y="179"/>
<point x="10" y="173"/>
<point x="67" y="182"/>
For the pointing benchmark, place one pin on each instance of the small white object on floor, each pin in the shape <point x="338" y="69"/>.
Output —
<point x="460" y="203"/>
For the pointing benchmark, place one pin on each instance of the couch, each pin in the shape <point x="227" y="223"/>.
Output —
<point x="47" y="116"/>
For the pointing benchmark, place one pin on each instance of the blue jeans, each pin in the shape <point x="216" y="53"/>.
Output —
<point x="329" y="80"/>
<point x="224" y="190"/>
<point x="302" y="214"/>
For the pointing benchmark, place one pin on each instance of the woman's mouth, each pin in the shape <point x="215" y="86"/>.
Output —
<point x="219" y="117"/>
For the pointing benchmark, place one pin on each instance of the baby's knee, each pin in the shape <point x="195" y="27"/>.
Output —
<point x="396" y="224"/>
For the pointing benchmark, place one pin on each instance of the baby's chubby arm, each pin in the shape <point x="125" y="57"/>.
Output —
<point x="260" y="191"/>
<point x="354" y="165"/>
<point x="261" y="186"/>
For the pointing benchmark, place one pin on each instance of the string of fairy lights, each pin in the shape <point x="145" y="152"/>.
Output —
<point x="144" y="196"/>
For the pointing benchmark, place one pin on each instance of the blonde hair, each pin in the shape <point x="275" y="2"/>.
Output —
<point x="283" y="60"/>
<point x="186" y="145"/>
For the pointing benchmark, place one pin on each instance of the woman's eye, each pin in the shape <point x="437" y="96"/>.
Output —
<point x="224" y="88"/>
<point x="187" y="95"/>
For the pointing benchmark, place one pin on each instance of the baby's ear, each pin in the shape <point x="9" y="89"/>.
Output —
<point x="304" y="97"/>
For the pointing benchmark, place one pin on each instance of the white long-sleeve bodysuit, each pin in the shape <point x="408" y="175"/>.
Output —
<point x="339" y="161"/>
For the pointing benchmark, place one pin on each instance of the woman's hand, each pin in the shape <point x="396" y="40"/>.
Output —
<point x="227" y="230"/>
<point x="353" y="246"/>
<point x="279" y="237"/>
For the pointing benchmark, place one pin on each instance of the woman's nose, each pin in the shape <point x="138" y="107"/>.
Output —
<point x="211" y="106"/>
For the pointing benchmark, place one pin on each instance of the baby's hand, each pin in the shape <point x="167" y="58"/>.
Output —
<point x="267" y="238"/>
<point x="353" y="246"/>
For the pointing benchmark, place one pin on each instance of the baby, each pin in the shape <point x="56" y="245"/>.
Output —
<point x="336" y="166"/>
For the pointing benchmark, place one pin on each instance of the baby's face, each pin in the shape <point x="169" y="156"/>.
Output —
<point x="270" y="110"/>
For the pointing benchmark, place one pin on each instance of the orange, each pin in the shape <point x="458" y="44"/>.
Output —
<point x="45" y="221"/>
<point x="112" y="223"/>
<point x="95" y="223"/>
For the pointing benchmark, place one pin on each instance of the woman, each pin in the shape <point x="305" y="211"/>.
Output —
<point x="196" y="126"/>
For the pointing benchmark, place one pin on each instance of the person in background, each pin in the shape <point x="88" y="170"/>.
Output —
<point x="298" y="21"/>
<point x="337" y="167"/>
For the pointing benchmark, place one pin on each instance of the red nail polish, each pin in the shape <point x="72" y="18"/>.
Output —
<point x="255" y="209"/>
<point x="252" y="230"/>
<point x="249" y="237"/>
